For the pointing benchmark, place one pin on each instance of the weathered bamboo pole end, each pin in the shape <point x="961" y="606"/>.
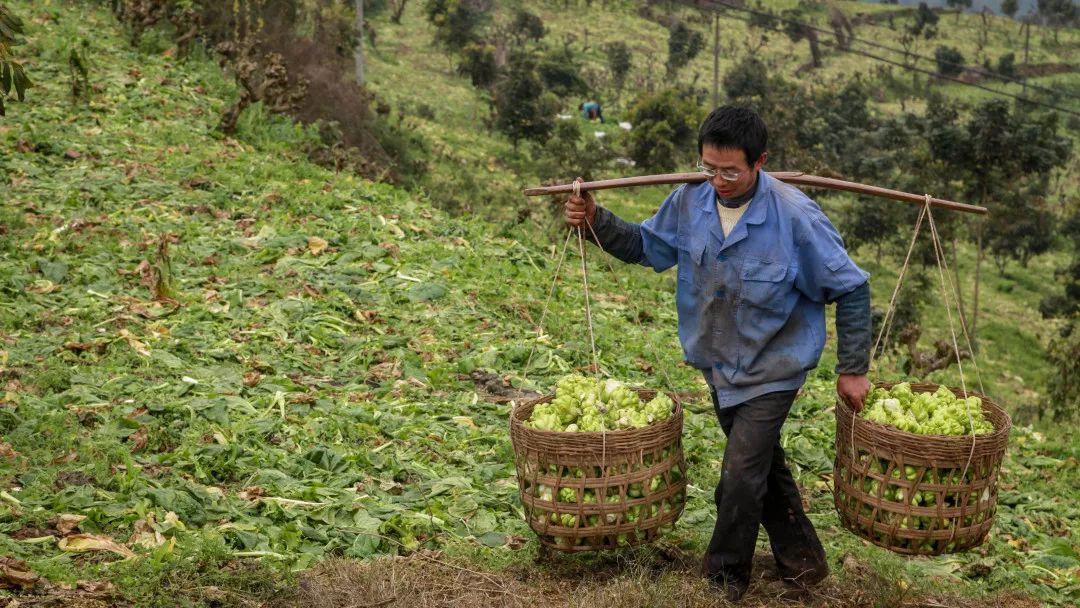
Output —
<point x="795" y="178"/>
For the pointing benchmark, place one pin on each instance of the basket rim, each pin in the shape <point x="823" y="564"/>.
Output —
<point x="987" y="404"/>
<point x="520" y="413"/>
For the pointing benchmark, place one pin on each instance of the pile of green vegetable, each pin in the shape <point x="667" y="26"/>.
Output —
<point x="937" y="413"/>
<point x="588" y="405"/>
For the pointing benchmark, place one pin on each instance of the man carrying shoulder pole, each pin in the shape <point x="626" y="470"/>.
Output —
<point x="757" y="262"/>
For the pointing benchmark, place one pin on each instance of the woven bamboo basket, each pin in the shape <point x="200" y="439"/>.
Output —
<point x="636" y="479"/>
<point x="918" y="494"/>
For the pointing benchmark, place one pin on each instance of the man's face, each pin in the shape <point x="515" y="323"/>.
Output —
<point x="731" y="161"/>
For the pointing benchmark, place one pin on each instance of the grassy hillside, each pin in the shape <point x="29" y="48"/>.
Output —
<point x="235" y="364"/>
<point x="411" y="73"/>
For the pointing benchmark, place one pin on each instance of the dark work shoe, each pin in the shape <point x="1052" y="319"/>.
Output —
<point x="733" y="586"/>
<point x="802" y="568"/>
<point x="806" y="578"/>
<point x="733" y="591"/>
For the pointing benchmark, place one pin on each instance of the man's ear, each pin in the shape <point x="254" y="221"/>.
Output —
<point x="761" y="160"/>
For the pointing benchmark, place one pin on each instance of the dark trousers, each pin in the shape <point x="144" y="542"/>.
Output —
<point x="756" y="487"/>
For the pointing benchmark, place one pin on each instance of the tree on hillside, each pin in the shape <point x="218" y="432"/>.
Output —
<point x="527" y="26"/>
<point x="949" y="60"/>
<point x="619" y="63"/>
<point x="397" y="9"/>
<point x="747" y="82"/>
<point x="458" y="22"/>
<point x="959" y="6"/>
<point x="684" y="43"/>
<point x="1004" y="159"/>
<point x="665" y="129"/>
<point x="841" y="27"/>
<point x="1066" y="303"/>
<point x="572" y="152"/>
<point x="523" y="108"/>
<point x="795" y="29"/>
<point x="560" y="70"/>
<point x="1063" y="386"/>
<point x="925" y="23"/>
<point x="1006" y="66"/>
<point x="478" y="63"/>
<point x="13" y="77"/>
<point x="1058" y="14"/>
<point x="1009" y="8"/>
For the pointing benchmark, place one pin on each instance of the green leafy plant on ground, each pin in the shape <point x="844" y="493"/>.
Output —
<point x="330" y="371"/>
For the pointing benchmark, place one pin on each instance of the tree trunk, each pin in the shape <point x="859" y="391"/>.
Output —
<point x="399" y="9"/>
<point x="978" y="276"/>
<point x="815" y="51"/>
<point x="959" y="289"/>
<point x="358" y="53"/>
<point x="1027" y="44"/>
<point x="716" y="61"/>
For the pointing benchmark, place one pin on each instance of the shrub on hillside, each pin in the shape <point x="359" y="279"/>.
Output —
<point x="527" y="26"/>
<point x="561" y="72"/>
<point x="295" y="57"/>
<point x="665" y="129"/>
<point x="573" y="152"/>
<point x="950" y="61"/>
<point x="458" y="22"/>
<point x="523" y="108"/>
<point x="1064" y="384"/>
<point x="478" y="63"/>
<point x="684" y="44"/>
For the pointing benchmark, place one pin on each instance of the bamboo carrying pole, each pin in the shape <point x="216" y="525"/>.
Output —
<point x="796" y="178"/>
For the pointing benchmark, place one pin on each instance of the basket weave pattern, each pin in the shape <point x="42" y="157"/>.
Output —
<point x="911" y="493"/>
<point x="632" y="473"/>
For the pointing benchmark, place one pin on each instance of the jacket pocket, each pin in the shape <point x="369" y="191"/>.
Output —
<point x="692" y="267"/>
<point x="764" y="283"/>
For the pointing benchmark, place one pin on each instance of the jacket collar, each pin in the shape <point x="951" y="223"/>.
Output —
<point x="755" y="214"/>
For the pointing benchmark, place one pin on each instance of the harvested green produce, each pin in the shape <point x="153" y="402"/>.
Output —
<point x="588" y="405"/>
<point x="937" y="413"/>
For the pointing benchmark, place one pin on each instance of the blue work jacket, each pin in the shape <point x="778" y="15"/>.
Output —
<point x="752" y="305"/>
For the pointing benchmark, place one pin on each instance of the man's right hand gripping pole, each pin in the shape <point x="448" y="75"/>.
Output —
<point x="579" y="207"/>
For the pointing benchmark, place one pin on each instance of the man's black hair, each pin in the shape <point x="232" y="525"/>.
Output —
<point x="737" y="128"/>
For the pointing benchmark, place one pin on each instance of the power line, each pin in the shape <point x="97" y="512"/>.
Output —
<point x="895" y="63"/>
<point x="883" y="47"/>
<point x="1015" y="20"/>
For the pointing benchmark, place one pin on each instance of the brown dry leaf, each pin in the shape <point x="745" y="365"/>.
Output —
<point x="144" y="534"/>
<point x="316" y="245"/>
<point x="15" y="573"/>
<point x="81" y="543"/>
<point x="43" y="286"/>
<point x="79" y="347"/>
<point x="464" y="421"/>
<point x="66" y="523"/>
<point x="134" y="343"/>
<point x="138" y="439"/>
<point x="69" y="457"/>
<point x="252" y="378"/>
<point x="7" y="452"/>
<point x="251" y="493"/>
<point x="98" y="587"/>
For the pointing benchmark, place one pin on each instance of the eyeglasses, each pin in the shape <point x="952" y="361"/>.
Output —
<point x="729" y="176"/>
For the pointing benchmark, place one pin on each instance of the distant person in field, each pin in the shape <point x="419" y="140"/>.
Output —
<point x="757" y="263"/>
<point x="590" y="110"/>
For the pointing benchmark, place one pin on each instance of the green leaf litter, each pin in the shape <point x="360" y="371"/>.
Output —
<point x="296" y="398"/>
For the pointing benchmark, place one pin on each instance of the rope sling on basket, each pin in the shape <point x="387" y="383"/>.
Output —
<point x="919" y="494"/>
<point x="587" y="491"/>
